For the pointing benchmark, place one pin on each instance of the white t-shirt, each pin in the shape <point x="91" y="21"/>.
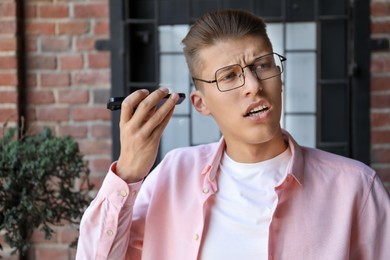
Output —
<point x="240" y="215"/>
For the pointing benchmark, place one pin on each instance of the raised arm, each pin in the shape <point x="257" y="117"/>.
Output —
<point x="105" y="226"/>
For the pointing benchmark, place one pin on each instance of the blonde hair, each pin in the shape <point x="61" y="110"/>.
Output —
<point x="217" y="26"/>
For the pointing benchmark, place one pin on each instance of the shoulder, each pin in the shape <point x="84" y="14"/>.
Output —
<point x="320" y="161"/>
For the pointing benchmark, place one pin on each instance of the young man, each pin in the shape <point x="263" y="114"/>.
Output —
<point x="256" y="194"/>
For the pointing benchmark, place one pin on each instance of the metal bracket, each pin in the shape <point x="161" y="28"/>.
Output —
<point x="380" y="44"/>
<point x="103" y="45"/>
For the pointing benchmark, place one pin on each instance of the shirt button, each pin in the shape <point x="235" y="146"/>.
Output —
<point x="196" y="237"/>
<point x="205" y="190"/>
<point x="123" y="193"/>
<point x="110" y="232"/>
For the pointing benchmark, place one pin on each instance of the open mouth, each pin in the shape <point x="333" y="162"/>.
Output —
<point x="256" y="111"/>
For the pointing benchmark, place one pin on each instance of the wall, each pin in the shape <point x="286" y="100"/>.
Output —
<point x="380" y="91"/>
<point x="66" y="87"/>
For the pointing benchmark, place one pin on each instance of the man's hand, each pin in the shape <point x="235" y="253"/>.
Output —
<point x="141" y="126"/>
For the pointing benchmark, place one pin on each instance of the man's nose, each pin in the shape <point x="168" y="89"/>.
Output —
<point x="252" y="81"/>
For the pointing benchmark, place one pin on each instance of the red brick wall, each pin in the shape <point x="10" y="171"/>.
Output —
<point x="8" y="64"/>
<point x="380" y="91"/>
<point x="67" y="86"/>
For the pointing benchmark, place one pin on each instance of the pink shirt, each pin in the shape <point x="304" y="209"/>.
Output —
<point x="329" y="207"/>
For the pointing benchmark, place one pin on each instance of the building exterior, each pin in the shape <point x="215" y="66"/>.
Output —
<point x="55" y="71"/>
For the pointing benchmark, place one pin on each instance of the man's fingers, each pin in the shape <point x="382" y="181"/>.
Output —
<point x="146" y="106"/>
<point x="130" y="103"/>
<point x="162" y="114"/>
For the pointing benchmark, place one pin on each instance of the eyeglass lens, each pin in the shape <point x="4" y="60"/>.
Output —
<point x="232" y="77"/>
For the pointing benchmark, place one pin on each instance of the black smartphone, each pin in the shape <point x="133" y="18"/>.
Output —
<point x="114" y="103"/>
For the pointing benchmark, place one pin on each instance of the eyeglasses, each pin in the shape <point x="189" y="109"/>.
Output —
<point x="232" y="76"/>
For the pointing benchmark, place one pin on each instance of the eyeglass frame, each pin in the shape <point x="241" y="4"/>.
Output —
<point x="281" y="58"/>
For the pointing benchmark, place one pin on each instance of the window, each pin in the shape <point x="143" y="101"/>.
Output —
<point x="325" y="82"/>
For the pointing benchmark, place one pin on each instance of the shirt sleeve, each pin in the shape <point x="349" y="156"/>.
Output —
<point x="373" y="234"/>
<point x="105" y="225"/>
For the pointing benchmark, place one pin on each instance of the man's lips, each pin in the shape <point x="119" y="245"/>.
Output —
<point x="256" y="109"/>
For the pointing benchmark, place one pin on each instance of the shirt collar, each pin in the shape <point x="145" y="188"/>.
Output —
<point x="294" y="168"/>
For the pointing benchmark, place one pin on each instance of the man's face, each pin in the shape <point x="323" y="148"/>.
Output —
<point x="235" y="110"/>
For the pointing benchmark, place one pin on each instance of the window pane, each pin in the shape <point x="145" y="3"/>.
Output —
<point x="275" y="34"/>
<point x="170" y="37"/>
<point x="300" y="87"/>
<point x="174" y="75"/>
<point x="301" y="36"/>
<point x="302" y="128"/>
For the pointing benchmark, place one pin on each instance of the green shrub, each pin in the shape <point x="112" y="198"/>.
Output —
<point x="40" y="176"/>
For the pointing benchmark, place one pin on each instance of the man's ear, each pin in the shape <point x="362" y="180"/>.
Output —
<point x="198" y="101"/>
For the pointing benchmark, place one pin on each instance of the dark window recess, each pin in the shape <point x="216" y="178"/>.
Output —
<point x="342" y="57"/>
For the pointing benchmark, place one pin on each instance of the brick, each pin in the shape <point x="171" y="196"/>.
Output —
<point x="8" y="97"/>
<point x="32" y="44"/>
<point x="40" y="28"/>
<point x="99" y="60"/>
<point x="380" y="101"/>
<point x="101" y="131"/>
<point x="73" y="96"/>
<point x="380" y="27"/>
<point x="92" y="78"/>
<point x="380" y="63"/>
<point x="71" y="62"/>
<point x="40" y="97"/>
<point x="96" y="10"/>
<point x="100" y="96"/>
<point x="52" y="253"/>
<point x="380" y="155"/>
<point x="8" y="9"/>
<point x="90" y="113"/>
<point x="93" y="146"/>
<point x="85" y="44"/>
<point x="384" y="174"/>
<point x="380" y="119"/>
<point x="55" y="44"/>
<point x="31" y="11"/>
<point x="72" y="130"/>
<point x="32" y="80"/>
<point x="39" y="237"/>
<point x="53" y="11"/>
<point x="67" y="234"/>
<point x="73" y="28"/>
<point x="8" y="44"/>
<point x="8" y="79"/>
<point x="379" y="9"/>
<point x="8" y="114"/>
<point x="31" y="114"/>
<point x="8" y="62"/>
<point x="380" y="137"/>
<point x="99" y="165"/>
<point x="7" y="27"/>
<point x="101" y="28"/>
<point x="42" y="62"/>
<point x="380" y="83"/>
<point x="52" y="114"/>
<point x="55" y="80"/>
